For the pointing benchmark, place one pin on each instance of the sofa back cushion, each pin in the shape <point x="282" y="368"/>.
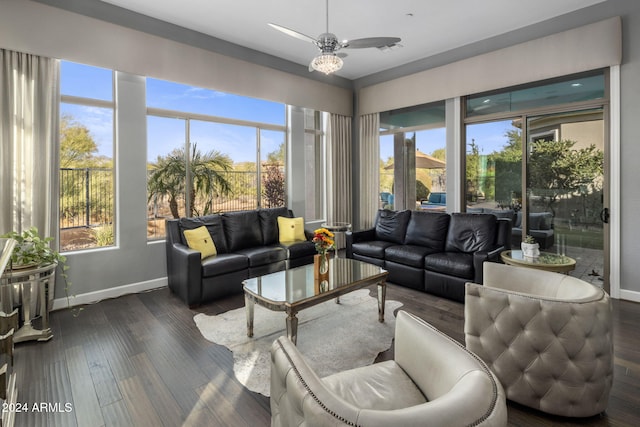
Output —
<point x="471" y="232"/>
<point x="391" y="226"/>
<point x="540" y="220"/>
<point x="269" y="223"/>
<point x="242" y="230"/>
<point x="213" y="224"/>
<point x="428" y="229"/>
<point x="537" y="220"/>
<point x="502" y="213"/>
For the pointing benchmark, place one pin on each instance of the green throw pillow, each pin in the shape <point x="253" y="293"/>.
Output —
<point x="200" y="240"/>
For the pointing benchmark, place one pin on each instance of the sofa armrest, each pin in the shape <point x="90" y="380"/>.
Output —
<point x="352" y="237"/>
<point x="184" y="273"/>
<point x="480" y="257"/>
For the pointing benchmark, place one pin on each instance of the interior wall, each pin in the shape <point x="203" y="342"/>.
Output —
<point x="629" y="154"/>
<point x="78" y="38"/>
<point x="580" y="49"/>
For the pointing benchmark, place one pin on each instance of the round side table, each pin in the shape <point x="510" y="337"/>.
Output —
<point x="546" y="261"/>
<point x="337" y="227"/>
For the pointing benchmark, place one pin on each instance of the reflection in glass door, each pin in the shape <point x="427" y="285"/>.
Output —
<point x="565" y="188"/>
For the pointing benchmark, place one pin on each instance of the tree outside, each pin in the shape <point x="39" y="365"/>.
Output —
<point x="558" y="169"/>
<point x="86" y="188"/>
<point x="167" y="179"/>
<point x="273" y="178"/>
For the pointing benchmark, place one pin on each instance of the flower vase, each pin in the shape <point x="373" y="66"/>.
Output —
<point x="321" y="266"/>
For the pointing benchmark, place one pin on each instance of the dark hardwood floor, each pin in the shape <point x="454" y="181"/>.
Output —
<point x="139" y="360"/>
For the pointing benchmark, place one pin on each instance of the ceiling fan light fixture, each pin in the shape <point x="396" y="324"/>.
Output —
<point x="327" y="63"/>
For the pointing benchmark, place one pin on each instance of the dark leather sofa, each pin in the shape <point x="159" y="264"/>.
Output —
<point x="435" y="252"/>
<point x="247" y="244"/>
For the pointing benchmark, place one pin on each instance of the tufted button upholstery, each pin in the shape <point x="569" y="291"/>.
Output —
<point x="546" y="336"/>
<point x="433" y="380"/>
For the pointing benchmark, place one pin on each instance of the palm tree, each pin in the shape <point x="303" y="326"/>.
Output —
<point x="206" y="170"/>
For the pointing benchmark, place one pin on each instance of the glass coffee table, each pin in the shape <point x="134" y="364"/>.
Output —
<point x="546" y="261"/>
<point x="295" y="289"/>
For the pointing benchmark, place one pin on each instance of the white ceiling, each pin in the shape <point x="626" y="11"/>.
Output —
<point x="426" y="27"/>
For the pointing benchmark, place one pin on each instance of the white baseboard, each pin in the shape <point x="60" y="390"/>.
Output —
<point x="630" y="295"/>
<point x="92" y="297"/>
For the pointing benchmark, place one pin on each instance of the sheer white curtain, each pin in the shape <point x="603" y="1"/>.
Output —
<point x="369" y="191"/>
<point x="339" y="167"/>
<point x="29" y="135"/>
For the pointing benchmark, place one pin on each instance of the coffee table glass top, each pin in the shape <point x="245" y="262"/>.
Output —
<point x="297" y="284"/>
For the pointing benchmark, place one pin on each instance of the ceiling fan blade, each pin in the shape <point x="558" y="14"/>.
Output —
<point x="293" y="33"/>
<point x="370" y="42"/>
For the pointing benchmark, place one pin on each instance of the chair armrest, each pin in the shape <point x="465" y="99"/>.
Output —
<point x="298" y="395"/>
<point x="184" y="273"/>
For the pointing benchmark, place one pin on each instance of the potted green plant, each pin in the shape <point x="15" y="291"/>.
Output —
<point x="530" y="248"/>
<point x="32" y="250"/>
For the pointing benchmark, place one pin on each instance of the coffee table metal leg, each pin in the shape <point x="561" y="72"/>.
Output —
<point x="292" y="326"/>
<point x="382" y="291"/>
<point x="249" y="304"/>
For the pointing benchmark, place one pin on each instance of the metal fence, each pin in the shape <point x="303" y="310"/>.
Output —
<point x="87" y="198"/>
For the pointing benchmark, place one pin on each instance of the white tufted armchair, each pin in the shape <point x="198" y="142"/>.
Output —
<point x="433" y="380"/>
<point x="546" y="336"/>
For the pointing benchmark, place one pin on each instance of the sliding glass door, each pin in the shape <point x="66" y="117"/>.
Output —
<point x="566" y="186"/>
<point x="537" y="154"/>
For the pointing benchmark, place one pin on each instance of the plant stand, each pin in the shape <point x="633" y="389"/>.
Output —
<point x="21" y="284"/>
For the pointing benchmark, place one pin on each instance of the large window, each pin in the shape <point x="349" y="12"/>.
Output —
<point x="537" y="153"/>
<point x="211" y="152"/>
<point x="494" y="165"/>
<point x="86" y="157"/>
<point x="413" y="149"/>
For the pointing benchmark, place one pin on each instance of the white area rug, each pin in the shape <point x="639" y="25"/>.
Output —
<point x="332" y="337"/>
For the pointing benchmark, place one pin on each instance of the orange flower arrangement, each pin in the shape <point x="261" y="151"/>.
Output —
<point x="323" y="240"/>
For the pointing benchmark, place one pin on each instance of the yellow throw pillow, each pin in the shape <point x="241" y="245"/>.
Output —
<point x="200" y="240"/>
<point x="291" y="229"/>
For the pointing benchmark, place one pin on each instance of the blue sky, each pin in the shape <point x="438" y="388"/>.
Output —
<point x="239" y="142"/>
<point x="490" y="137"/>
<point x="163" y="135"/>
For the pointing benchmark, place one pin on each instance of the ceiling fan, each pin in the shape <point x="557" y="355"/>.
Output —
<point x="328" y="61"/>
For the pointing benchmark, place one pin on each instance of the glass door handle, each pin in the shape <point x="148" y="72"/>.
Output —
<point x="604" y="215"/>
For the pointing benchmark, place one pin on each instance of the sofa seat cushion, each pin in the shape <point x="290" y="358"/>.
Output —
<point x="223" y="263"/>
<point x="383" y="386"/>
<point x="371" y="249"/>
<point x="452" y="263"/>
<point x="408" y="255"/>
<point x="299" y="249"/>
<point x="262" y="255"/>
